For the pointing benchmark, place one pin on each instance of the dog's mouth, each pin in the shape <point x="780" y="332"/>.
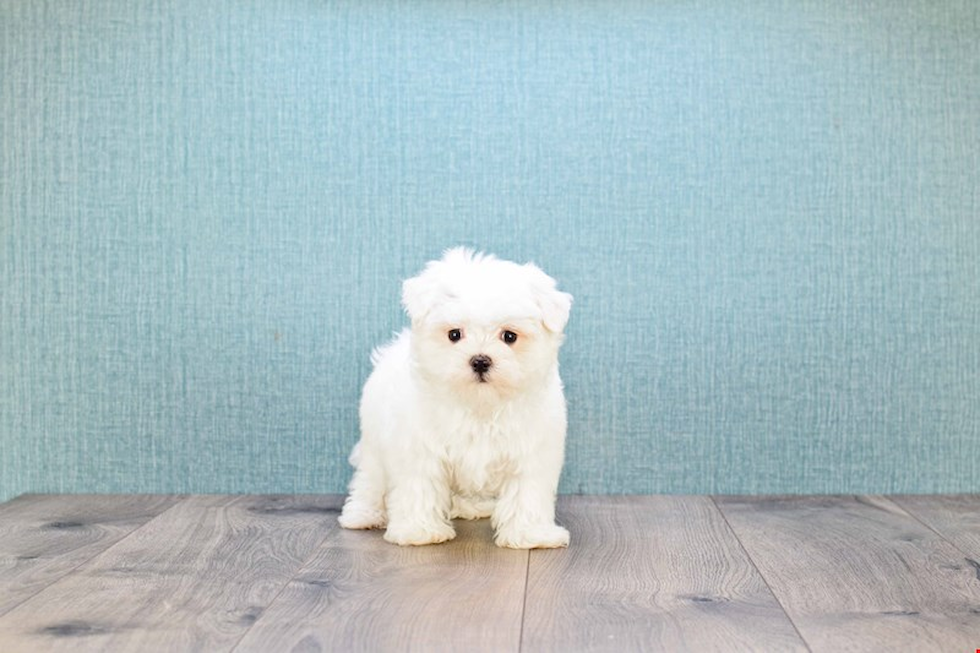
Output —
<point x="481" y="377"/>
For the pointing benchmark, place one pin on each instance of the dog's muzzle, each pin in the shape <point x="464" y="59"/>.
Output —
<point x="481" y="364"/>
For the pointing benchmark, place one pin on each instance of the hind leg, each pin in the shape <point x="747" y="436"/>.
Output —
<point x="365" y="505"/>
<point x="470" y="507"/>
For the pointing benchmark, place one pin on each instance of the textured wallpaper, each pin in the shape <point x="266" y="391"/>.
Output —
<point x="768" y="213"/>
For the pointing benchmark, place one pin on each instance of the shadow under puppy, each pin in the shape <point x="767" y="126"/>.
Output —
<point x="464" y="414"/>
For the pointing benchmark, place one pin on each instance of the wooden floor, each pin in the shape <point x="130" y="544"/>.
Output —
<point x="670" y="573"/>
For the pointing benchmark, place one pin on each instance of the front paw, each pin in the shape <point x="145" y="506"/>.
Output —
<point x="543" y="536"/>
<point x="416" y="534"/>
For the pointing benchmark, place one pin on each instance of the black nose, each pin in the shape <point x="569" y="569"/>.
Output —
<point x="481" y="364"/>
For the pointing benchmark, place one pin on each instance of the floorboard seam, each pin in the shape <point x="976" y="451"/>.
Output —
<point x="265" y="609"/>
<point x="759" y="571"/>
<point x="527" y="579"/>
<point x="944" y="538"/>
<point x="181" y="499"/>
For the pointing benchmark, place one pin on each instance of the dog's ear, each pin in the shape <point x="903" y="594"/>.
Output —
<point x="419" y="295"/>
<point x="554" y="304"/>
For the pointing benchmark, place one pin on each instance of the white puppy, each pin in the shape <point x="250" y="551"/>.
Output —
<point x="464" y="413"/>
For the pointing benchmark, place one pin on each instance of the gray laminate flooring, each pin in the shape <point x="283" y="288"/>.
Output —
<point x="643" y="573"/>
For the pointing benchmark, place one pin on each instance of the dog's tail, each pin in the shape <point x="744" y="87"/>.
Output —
<point x="400" y="339"/>
<point x="355" y="456"/>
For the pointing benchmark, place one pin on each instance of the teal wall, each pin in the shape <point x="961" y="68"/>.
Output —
<point x="768" y="212"/>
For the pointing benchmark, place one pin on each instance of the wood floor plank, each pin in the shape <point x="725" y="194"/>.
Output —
<point x="650" y="573"/>
<point x="643" y="573"/>
<point x="195" y="578"/>
<point x="955" y="517"/>
<point x="359" y="593"/>
<point x="859" y="574"/>
<point x="44" y="537"/>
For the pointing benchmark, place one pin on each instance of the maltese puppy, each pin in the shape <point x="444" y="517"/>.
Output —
<point x="464" y="413"/>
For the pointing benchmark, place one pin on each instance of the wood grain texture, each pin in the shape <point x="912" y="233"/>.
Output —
<point x="359" y="593"/>
<point x="955" y="517"/>
<point x="196" y="578"/>
<point x="860" y="574"/>
<point x="257" y="573"/>
<point x="650" y="573"/>
<point x="45" y="537"/>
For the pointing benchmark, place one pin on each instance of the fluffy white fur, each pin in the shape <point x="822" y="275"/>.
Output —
<point x="441" y="441"/>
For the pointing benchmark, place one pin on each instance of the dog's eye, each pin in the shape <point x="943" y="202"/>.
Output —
<point x="455" y="335"/>
<point x="509" y="337"/>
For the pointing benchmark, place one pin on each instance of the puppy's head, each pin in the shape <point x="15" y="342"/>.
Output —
<point x="482" y="326"/>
